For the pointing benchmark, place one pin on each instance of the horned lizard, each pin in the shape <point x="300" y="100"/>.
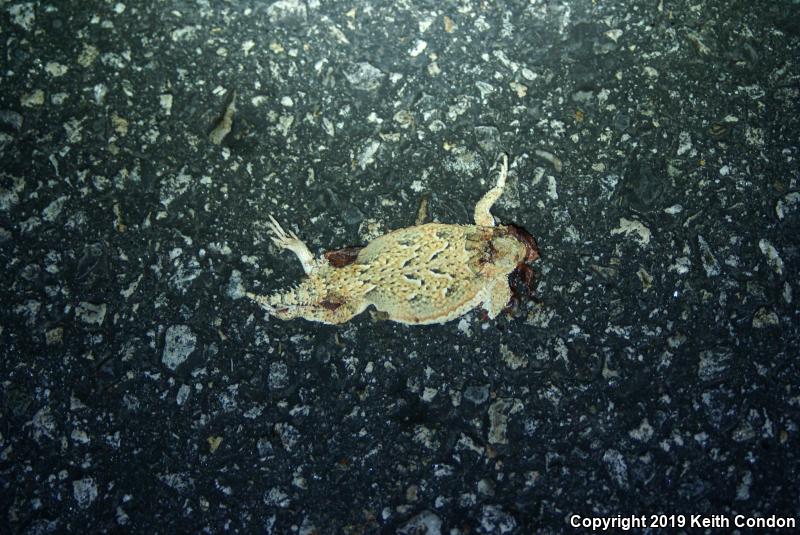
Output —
<point x="423" y="274"/>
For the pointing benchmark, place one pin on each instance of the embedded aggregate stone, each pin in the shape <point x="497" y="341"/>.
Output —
<point x="84" y="491"/>
<point x="179" y="343"/>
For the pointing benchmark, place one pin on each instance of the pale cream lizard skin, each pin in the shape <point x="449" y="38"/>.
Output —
<point x="416" y="275"/>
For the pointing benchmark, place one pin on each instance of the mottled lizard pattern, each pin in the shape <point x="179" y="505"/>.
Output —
<point x="429" y="273"/>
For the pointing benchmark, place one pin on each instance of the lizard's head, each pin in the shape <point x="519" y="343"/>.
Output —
<point x="525" y="237"/>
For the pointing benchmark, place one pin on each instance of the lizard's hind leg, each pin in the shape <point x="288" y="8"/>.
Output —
<point x="289" y="240"/>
